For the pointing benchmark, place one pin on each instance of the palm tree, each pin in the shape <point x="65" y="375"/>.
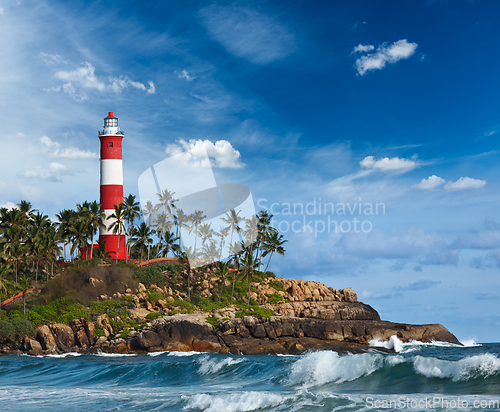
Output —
<point x="24" y="282"/>
<point x="222" y="233"/>
<point x="170" y="241"/>
<point x="118" y="225"/>
<point x="264" y="226"/>
<point x="3" y="284"/>
<point x="97" y="216"/>
<point x="167" y="200"/>
<point x="250" y="263"/>
<point x="16" y="255"/>
<point x="197" y="217"/>
<point x="52" y="248"/>
<point x="149" y="209"/>
<point x="143" y="237"/>
<point x="273" y="243"/>
<point x="181" y="220"/>
<point x="233" y="219"/>
<point x="160" y="224"/>
<point x="78" y="230"/>
<point x="223" y="272"/>
<point x="132" y="210"/>
<point x="206" y="232"/>
<point x="236" y="252"/>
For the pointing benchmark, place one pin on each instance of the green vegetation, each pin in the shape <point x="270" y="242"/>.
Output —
<point x="277" y="284"/>
<point x="154" y="315"/>
<point x="154" y="297"/>
<point x="275" y="298"/>
<point x="213" y="321"/>
<point x="253" y="310"/>
<point x="14" y="330"/>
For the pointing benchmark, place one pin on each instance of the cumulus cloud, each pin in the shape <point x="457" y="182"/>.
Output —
<point x="465" y="183"/>
<point x="184" y="74"/>
<point x="8" y="205"/>
<point x="393" y="164"/>
<point x="385" y="53"/>
<point x="362" y="48"/>
<point x="152" y="88"/>
<point x="223" y="155"/>
<point x="432" y="182"/>
<point x="84" y="75"/>
<point x="247" y="33"/>
<point x="52" y="149"/>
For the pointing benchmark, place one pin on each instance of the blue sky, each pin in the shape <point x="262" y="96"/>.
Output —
<point x="349" y="102"/>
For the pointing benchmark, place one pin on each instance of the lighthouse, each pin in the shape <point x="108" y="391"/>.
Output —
<point x="111" y="184"/>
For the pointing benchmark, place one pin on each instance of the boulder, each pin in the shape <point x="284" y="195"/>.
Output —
<point x="148" y="339"/>
<point x="63" y="335"/>
<point x="46" y="338"/>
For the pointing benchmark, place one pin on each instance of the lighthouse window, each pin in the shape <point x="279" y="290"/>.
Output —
<point x="110" y="144"/>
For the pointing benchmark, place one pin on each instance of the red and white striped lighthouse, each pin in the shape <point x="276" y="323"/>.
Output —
<point x="111" y="183"/>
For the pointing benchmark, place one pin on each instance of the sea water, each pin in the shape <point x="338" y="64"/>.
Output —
<point x="418" y="377"/>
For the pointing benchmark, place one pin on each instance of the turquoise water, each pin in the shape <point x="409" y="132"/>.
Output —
<point x="319" y="381"/>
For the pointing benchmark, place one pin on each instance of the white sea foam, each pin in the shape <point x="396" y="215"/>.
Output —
<point x="319" y="368"/>
<point x="114" y="355"/>
<point x="236" y="402"/>
<point x="63" y="355"/>
<point x="470" y="343"/>
<point x="154" y="354"/>
<point x="180" y="354"/>
<point x="214" y="365"/>
<point x="392" y="343"/>
<point x="464" y="369"/>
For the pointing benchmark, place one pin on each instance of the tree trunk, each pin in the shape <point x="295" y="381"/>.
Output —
<point x="249" y="276"/>
<point x="117" y="248"/>
<point x="36" y="276"/>
<point x="272" y="251"/>
<point x="220" y="294"/>
<point x="232" y="290"/>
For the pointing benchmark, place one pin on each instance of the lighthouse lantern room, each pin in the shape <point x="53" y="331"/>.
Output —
<point x="111" y="184"/>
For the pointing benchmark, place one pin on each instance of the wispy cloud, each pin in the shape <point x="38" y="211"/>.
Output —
<point x="184" y="74"/>
<point x="51" y="58"/>
<point x="363" y="48"/>
<point x="465" y="183"/>
<point x="385" y="53"/>
<point x="54" y="173"/>
<point x="51" y="148"/>
<point x="248" y="34"/>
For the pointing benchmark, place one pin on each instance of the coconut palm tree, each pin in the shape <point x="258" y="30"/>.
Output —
<point x="223" y="273"/>
<point x="24" y="282"/>
<point x="206" y="232"/>
<point x="236" y="251"/>
<point x="196" y="218"/>
<point x="3" y="284"/>
<point x="233" y="219"/>
<point x="97" y="216"/>
<point x="264" y="225"/>
<point x="273" y="244"/>
<point x="222" y="233"/>
<point x="167" y="200"/>
<point x="170" y="242"/>
<point x="132" y="209"/>
<point x="149" y="209"/>
<point x="250" y="263"/>
<point x="117" y="225"/>
<point x="181" y="220"/>
<point x="142" y="237"/>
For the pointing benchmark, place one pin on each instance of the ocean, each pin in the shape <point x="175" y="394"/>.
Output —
<point x="419" y="377"/>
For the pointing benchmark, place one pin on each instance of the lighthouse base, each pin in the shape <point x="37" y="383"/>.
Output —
<point x="115" y="244"/>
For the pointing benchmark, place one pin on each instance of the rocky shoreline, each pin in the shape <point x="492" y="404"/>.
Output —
<point x="311" y="316"/>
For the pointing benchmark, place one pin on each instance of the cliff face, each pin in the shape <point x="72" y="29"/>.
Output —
<point x="310" y="316"/>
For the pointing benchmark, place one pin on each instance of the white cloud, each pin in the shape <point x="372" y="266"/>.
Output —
<point x="52" y="174"/>
<point x="52" y="149"/>
<point x="362" y="48"/>
<point x="184" y="74"/>
<point x="2" y="11"/>
<point x="393" y="164"/>
<point x="465" y="183"/>
<point x="8" y="205"/>
<point x="432" y="182"/>
<point x="392" y="53"/>
<point x="222" y="153"/>
<point x="20" y="135"/>
<point x="152" y="88"/>
<point x="248" y="34"/>
<point x="51" y="58"/>
<point x="83" y="75"/>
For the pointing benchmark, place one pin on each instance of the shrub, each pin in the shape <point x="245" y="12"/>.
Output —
<point x="128" y="299"/>
<point x="213" y="321"/>
<point x="275" y="298"/>
<point x="62" y="310"/>
<point x="150" y="275"/>
<point x="253" y="310"/>
<point x="277" y="284"/>
<point x="154" y="297"/>
<point x="154" y="315"/>
<point x="14" y="330"/>
<point x="98" y="331"/>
